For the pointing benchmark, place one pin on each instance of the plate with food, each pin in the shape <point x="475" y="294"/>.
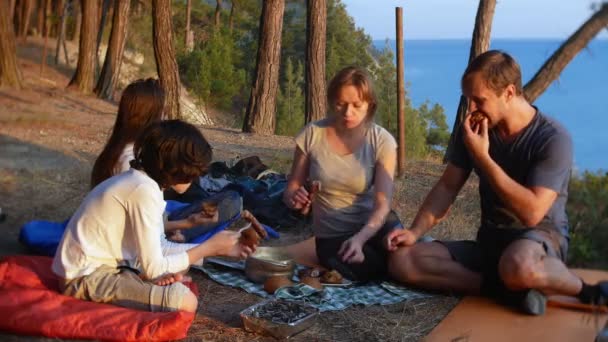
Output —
<point x="324" y="277"/>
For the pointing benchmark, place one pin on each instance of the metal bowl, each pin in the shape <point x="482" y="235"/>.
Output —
<point x="267" y="262"/>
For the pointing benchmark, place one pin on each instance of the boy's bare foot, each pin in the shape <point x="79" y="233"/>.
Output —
<point x="172" y="278"/>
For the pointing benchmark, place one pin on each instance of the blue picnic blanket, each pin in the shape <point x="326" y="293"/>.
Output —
<point x="331" y="298"/>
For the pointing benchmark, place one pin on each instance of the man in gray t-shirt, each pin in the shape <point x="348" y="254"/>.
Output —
<point x="523" y="160"/>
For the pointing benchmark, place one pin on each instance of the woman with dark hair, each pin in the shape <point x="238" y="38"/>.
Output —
<point x="112" y="250"/>
<point x="343" y="169"/>
<point x="141" y="104"/>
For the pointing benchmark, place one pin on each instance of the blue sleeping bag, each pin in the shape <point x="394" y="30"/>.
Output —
<point x="43" y="237"/>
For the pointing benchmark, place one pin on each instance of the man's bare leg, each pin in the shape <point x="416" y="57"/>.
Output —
<point x="525" y="265"/>
<point x="430" y="265"/>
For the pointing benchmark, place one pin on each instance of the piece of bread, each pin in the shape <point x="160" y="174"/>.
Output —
<point x="331" y="277"/>
<point x="477" y="118"/>
<point x="312" y="282"/>
<point x="250" y="237"/>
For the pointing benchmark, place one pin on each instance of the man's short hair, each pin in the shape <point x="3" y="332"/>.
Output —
<point x="172" y="152"/>
<point x="498" y="69"/>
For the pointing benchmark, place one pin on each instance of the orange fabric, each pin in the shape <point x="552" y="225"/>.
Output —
<point x="480" y="319"/>
<point x="30" y="304"/>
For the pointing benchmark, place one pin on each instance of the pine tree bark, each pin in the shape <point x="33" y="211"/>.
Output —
<point x="84" y="77"/>
<point x="260" y="114"/>
<point x="233" y="7"/>
<point x="102" y="23"/>
<point x="315" y="107"/>
<point x="61" y="35"/>
<point x="188" y="37"/>
<point x="565" y="53"/>
<point x="110" y="73"/>
<point x="40" y="18"/>
<point x="78" y="20"/>
<point x="218" y="12"/>
<point x="10" y="74"/>
<point x="11" y="9"/>
<point x="47" y="28"/>
<point x="479" y="44"/>
<point x="164" y="53"/>
<point x="28" y="5"/>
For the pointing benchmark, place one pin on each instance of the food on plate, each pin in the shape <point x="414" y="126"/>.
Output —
<point x="332" y="277"/>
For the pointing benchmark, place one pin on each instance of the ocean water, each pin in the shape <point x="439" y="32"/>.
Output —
<point x="578" y="98"/>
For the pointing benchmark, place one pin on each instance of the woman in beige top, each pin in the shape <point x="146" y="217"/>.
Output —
<point x="351" y="162"/>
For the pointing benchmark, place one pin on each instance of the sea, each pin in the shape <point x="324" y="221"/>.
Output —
<point x="578" y="98"/>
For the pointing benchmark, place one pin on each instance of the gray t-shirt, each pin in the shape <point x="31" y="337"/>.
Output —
<point x="541" y="155"/>
<point x="346" y="199"/>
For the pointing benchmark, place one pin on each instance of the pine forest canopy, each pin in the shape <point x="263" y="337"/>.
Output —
<point x="220" y="68"/>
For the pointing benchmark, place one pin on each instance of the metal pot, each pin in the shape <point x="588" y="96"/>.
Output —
<point x="267" y="262"/>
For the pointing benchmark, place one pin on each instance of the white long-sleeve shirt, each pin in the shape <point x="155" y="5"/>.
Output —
<point x="119" y="222"/>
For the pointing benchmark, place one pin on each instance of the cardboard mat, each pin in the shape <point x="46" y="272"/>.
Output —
<point x="480" y="319"/>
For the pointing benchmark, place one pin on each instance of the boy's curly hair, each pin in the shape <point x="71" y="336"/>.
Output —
<point x="172" y="152"/>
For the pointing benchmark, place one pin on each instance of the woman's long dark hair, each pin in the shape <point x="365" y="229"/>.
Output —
<point x="141" y="104"/>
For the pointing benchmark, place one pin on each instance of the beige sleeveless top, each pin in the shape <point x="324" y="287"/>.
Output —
<point x="345" y="201"/>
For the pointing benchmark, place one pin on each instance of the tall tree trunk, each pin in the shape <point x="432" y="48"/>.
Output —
<point x="316" y="23"/>
<point x="260" y="114"/>
<point x="102" y="24"/>
<point x="17" y="17"/>
<point x="61" y="35"/>
<point x="28" y="5"/>
<point x="188" y="37"/>
<point x="232" y="14"/>
<point x="479" y="44"/>
<point x="218" y="12"/>
<point x="565" y="53"/>
<point x="40" y="18"/>
<point x="47" y="28"/>
<point x="56" y="24"/>
<point x="11" y="10"/>
<point x="78" y="20"/>
<point x="111" y="66"/>
<point x="164" y="53"/>
<point x="10" y="74"/>
<point x="84" y="77"/>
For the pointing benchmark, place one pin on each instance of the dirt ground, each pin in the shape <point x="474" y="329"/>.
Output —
<point x="49" y="138"/>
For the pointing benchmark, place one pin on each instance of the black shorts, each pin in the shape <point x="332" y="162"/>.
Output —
<point x="483" y="255"/>
<point x="376" y="256"/>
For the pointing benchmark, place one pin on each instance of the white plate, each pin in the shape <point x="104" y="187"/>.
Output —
<point x="345" y="282"/>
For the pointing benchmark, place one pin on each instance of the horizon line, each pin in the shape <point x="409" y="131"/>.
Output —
<point x="494" y="38"/>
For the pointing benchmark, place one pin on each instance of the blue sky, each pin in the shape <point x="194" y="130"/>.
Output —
<point x="448" y="19"/>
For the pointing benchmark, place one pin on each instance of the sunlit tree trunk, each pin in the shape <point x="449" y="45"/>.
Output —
<point x="260" y="114"/>
<point x="233" y="7"/>
<point x="188" y="37"/>
<point x="550" y="71"/>
<point x="28" y="5"/>
<point x="10" y="74"/>
<point x="218" y="13"/>
<point x="479" y="44"/>
<point x="315" y="105"/>
<point x="108" y="79"/>
<point x="61" y="35"/>
<point x="164" y="52"/>
<point x="84" y="77"/>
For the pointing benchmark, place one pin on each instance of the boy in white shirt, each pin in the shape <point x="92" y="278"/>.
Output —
<point x="111" y="250"/>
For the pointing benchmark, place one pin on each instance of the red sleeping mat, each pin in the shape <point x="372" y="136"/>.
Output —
<point x="30" y="304"/>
